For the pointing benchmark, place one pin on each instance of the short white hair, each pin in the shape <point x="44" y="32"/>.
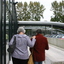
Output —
<point x="21" y="29"/>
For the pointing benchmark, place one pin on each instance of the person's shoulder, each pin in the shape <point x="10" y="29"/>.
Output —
<point x="15" y="35"/>
<point x="45" y="37"/>
<point x="26" y="36"/>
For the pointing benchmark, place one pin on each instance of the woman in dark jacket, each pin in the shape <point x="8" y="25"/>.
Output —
<point x="40" y="46"/>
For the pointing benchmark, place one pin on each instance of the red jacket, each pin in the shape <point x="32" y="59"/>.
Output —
<point x="40" y="46"/>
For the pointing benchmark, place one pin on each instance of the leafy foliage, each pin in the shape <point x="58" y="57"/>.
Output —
<point x="29" y="12"/>
<point x="58" y="11"/>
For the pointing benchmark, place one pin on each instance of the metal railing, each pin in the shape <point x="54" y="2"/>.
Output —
<point x="12" y="27"/>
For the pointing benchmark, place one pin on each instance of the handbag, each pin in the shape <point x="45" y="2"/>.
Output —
<point x="12" y="47"/>
<point x="30" y="61"/>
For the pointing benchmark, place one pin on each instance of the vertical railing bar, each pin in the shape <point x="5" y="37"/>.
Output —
<point x="0" y="31"/>
<point x="4" y="31"/>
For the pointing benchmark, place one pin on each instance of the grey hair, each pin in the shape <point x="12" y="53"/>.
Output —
<point x="21" y="29"/>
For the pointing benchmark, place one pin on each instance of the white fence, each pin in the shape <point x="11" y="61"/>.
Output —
<point x="55" y="54"/>
<point x="57" y="42"/>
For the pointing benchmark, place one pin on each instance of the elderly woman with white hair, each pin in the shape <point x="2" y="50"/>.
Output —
<point x="20" y="54"/>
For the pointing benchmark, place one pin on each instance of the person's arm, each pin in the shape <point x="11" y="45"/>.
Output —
<point x="31" y="42"/>
<point x="47" y="45"/>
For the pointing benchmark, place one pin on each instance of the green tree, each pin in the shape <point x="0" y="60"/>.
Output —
<point x="19" y="8"/>
<point x="30" y="12"/>
<point x="54" y="8"/>
<point x="36" y="11"/>
<point x="57" y="9"/>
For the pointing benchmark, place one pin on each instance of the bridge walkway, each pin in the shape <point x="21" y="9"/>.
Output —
<point x="55" y="55"/>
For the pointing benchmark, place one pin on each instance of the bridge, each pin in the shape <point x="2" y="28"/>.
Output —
<point x="41" y="23"/>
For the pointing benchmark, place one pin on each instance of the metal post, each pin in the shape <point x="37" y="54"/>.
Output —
<point x="10" y="23"/>
<point x="45" y="31"/>
<point x="15" y="18"/>
<point x="51" y="29"/>
<point x="1" y="31"/>
<point x="4" y="32"/>
<point x="12" y="20"/>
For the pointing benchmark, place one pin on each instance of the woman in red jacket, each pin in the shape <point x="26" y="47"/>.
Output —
<point x="40" y="46"/>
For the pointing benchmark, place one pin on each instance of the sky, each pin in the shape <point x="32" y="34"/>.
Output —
<point x="47" y="4"/>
